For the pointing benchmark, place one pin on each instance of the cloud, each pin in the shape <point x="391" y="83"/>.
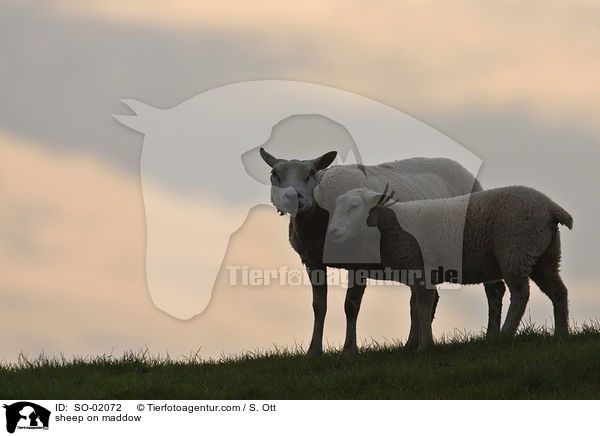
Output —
<point x="72" y="250"/>
<point x="80" y="287"/>
<point x="512" y="82"/>
<point x="539" y="54"/>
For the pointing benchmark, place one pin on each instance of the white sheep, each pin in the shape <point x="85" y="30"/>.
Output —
<point x="508" y="233"/>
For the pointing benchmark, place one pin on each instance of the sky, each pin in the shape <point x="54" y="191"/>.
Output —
<point x="513" y="82"/>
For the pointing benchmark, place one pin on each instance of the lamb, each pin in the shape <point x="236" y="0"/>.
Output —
<point x="510" y="233"/>
<point x="307" y="189"/>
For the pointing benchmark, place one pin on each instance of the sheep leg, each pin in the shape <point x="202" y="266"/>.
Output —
<point x="551" y="284"/>
<point x="494" y="292"/>
<point x="436" y="299"/>
<point x="425" y="300"/>
<point x="413" y="335"/>
<point x="519" y="296"/>
<point x="415" y="330"/>
<point x="318" y="279"/>
<point x="352" y="307"/>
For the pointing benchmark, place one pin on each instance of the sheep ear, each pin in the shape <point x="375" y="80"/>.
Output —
<point x="268" y="158"/>
<point x="324" y="161"/>
<point x="373" y="218"/>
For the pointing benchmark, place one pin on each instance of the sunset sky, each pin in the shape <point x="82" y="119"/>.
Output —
<point x="513" y="82"/>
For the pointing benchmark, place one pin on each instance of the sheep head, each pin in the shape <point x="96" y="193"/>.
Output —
<point x="293" y="181"/>
<point x="353" y="210"/>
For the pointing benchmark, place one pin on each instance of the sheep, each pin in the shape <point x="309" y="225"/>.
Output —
<point x="509" y="233"/>
<point x="306" y="189"/>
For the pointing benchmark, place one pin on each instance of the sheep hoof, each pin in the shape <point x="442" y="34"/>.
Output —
<point x="349" y="352"/>
<point x="424" y="347"/>
<point x="492" y="335"/>
<point x="411" y="344"/>
<point x="561" y="333"/>
<point x="314" y="352"/>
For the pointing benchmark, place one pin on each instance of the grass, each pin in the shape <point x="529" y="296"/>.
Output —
<point x="533" y="365"/>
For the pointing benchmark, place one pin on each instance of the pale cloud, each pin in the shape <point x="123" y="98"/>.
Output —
<point x="539" y="54"/>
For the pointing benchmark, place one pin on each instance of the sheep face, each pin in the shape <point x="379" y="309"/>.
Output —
<point x="350" y="214"/>
<point x="293" y="181"/>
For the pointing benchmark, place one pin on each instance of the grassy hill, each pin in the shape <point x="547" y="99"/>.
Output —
<point x="532" y="365"/>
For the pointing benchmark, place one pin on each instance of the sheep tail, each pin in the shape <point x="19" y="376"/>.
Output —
<point x="562" y="216"/>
